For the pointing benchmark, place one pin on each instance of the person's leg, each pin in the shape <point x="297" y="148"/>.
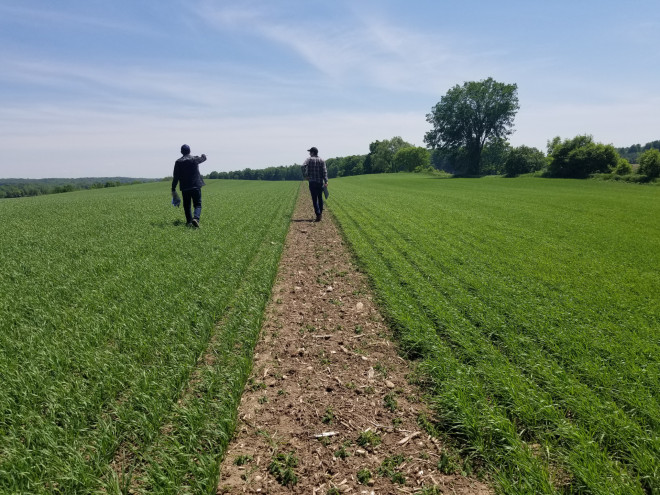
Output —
<point x="197" y="204"/>
<point x="316" y="190"/>
<point x="312" y="193"/>
<point x="187" y="200"/>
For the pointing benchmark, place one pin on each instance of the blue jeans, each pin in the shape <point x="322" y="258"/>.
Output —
<point x="316" y="188"/>
<point x="193" y="196"/>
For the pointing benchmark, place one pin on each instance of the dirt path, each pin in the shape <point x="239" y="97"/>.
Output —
<point x="325" y="365"/>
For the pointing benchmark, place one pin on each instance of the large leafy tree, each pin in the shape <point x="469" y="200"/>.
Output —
<point x="468" y="117"/>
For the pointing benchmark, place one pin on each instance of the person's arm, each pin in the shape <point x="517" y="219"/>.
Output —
<point x="200" y="159"/>
<point x="175" y="179"/>
<point x="305" y="169"/>
<point x="325" y="173"/>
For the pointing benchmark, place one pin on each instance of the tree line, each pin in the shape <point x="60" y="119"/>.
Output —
<point x="19" y="188"/>
<point x="468" y="137"/>
<point x="578" y="157"/>
<point x="285" y="172"/>
<point x="632" y="153"/>
<point x="386" y="156"/>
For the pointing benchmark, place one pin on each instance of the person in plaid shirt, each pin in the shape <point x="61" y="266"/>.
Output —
<point x="316" y="173"/>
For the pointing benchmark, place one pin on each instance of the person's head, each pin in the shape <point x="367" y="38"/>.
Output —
<point x="313" y="151"/>
<point x="185" y="149"/>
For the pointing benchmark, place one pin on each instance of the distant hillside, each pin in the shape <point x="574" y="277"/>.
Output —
<point x="632" y="153"/>
<point x="17" y="188"/>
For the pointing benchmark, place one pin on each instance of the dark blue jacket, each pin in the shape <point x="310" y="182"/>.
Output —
<point x="186" y="173"/>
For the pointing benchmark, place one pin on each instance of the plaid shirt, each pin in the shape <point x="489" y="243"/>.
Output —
<point x="314" y="169"/>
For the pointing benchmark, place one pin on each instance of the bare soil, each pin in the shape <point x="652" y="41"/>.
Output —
<point x="328" y="384"/>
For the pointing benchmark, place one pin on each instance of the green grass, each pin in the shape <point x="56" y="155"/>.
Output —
<point x="534" y="307"/>
<point x="126" y="338"/>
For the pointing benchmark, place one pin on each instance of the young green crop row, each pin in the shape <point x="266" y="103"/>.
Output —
<point x="535" y="307"/>
<point x="108" y="303"/>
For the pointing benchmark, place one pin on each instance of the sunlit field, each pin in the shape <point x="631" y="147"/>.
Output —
<point x="126" y="337"/>
<point x="533" y="307"/>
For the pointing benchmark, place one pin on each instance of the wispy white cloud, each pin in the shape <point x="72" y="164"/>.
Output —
<point x="363" y="51"/>
<point x="58" y="17"/>
<point x="155" y="88"/>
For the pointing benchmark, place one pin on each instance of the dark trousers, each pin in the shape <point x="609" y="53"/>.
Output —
<point x="316" y="188"/>
<point x="193" y="196"/>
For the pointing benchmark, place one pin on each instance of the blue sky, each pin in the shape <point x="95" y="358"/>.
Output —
<point x="92" y="88"/>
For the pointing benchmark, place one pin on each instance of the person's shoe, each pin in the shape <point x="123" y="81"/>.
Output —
<point x="195" y="223"/>
<point x="318" y="218"/>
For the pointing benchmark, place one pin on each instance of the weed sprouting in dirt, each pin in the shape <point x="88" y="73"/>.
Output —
<point x="341" y="453"/>
<point x="328" y="416"/>
<point x="241" y="460"/>
<point x="325" y="441"/>
<point x="388" y="468"/>
<point x="282" y="468"/>
<point x="363" y="476"/>
<point x="381" y="369"/>
<point x="430" y="490"/>
<point x="368" y="439"/>
<point x="390" y="402"/>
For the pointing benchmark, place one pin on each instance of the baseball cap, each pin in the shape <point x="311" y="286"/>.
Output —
<point x="313" y="149"/>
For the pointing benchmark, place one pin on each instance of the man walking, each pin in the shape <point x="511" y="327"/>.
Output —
<point x="315" y="171"/>
<point x="186" y="174"/>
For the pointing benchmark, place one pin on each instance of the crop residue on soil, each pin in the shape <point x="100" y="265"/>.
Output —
<point x="328" y="407"/>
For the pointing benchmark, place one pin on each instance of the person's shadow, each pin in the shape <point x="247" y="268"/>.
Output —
<point x="163" y="224"/>
<point x="297" y="220"/>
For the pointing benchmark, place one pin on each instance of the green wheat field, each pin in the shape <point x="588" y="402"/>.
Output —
<point x="126" y="338"/>
<point x="531" y="308"/>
